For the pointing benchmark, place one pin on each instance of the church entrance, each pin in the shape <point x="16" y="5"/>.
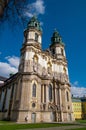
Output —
<point x="33" y="117"/>
<point x="53" y="116"/>
<point x="69" y="117"/>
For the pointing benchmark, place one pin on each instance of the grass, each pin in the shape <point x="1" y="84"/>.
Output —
<point x="81" y="121"/>
<point x="8" y="125"/>
<point x="13" y="126"/>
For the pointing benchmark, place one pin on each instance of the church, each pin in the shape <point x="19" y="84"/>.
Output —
<point x="40" y="91"/>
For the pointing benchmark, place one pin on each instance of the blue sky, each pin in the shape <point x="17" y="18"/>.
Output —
<point x="69" y="18"/>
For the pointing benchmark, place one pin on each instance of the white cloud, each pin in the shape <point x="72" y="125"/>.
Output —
<point x="1" y="82"/>
<point x="13" y="61"/>
<point x="11" y="66"/>
<point x="78" y="91"/>
<point x="35" y="8"/>
<point x="39" y="6"/>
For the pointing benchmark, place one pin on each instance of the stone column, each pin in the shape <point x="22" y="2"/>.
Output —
<point x="47" y="94"/>
<point x="43" y="93"/>
<point x="56" y="96"/>
<point x="60" y="101"/>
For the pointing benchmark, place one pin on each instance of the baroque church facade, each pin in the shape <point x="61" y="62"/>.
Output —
<point x="40" y="91"/>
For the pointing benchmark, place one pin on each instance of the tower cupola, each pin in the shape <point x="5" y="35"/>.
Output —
<point x="57" y="46"/>
<point x="34" y="23"/>
<point x="33" y="33"/>
<point x="56" y="38"/>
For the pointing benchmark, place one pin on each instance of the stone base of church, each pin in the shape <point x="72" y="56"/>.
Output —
<point x="41" y="116"/>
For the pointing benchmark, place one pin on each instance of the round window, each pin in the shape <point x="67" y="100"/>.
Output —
<point x="33" y="104"/>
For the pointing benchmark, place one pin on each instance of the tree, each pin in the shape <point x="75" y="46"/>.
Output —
<point x="12" y="10"/>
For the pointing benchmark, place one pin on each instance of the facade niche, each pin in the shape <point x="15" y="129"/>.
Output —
<point x="50" y="92"/>
<point x="34" y="90"/>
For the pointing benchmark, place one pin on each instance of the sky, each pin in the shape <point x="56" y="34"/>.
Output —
<point x="69" y="18"/>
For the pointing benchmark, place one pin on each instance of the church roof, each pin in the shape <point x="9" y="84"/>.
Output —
<point x="2" y="78"/>
<point x="34" y="23"/>
<point x="56" y="38"/>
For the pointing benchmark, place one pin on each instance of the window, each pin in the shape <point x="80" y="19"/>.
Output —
<point x="67" y="95"/>
<point x="33" y="105"/>
<point x="50" y="92"/>
<point x="36" y="37"/>
<point x="34" y="90"/>
<point x="53" y="51"/>
<point x="62" y="52"/>
<point x="35" y="24"/>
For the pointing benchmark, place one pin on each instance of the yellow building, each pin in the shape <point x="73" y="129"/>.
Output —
<point x="77" y="107"/>
<point x="83" y="100"/>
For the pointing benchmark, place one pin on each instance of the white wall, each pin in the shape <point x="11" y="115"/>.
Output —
<point x="31" y="35"/>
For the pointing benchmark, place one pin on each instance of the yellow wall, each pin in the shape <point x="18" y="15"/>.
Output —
<point x="77" y="109"/>
<point x="84" y="110"/>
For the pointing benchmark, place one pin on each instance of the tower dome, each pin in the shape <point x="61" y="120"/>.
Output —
<point x="34" y="23"/>
<point x="56" y="38"/>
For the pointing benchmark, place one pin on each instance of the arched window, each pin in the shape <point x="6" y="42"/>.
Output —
<point x="50" y="92"/>
<point x="53" y="51"/>
<point x="36" y="37"/>
<point x="62" y="52"/>
<point x="67" y="96"/>
<point x="34" y="90"/>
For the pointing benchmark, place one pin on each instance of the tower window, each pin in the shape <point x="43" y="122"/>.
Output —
<point x="50" y="92"/>
<point x="67" y="96"/>
<point x="34" y="90"/>
<point x="62" y="51"/>
<point x="35" y="24"/>
<point x="53" y="51"/>
<point x="36" y="37"/>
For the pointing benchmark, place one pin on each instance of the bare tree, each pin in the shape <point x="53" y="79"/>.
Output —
<point x="12" y="10"/>
<point x="3" y="5"/>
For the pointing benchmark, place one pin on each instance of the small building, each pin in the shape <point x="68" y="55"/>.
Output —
<point x="83" y="100"/>
<point x="77" y="107"/>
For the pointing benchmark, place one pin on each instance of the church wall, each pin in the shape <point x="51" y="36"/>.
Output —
<point x="58" y="50"/>
<point x="7" y="98"/>
<point x="46" y="117"/>
<point x="42" y="61"/>
<point x="29" y="55"/>
<point x="2" y="99"/>
<point x="31" y="35"/>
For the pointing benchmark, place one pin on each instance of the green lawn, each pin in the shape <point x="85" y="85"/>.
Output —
<point x="81" y="121"/>
<point x="8" y="125"/>
<point x="11" y="126"/>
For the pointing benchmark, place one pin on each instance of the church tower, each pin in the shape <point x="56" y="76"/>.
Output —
<point x="57" y="49"/>
<point x="32" y="40"/>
